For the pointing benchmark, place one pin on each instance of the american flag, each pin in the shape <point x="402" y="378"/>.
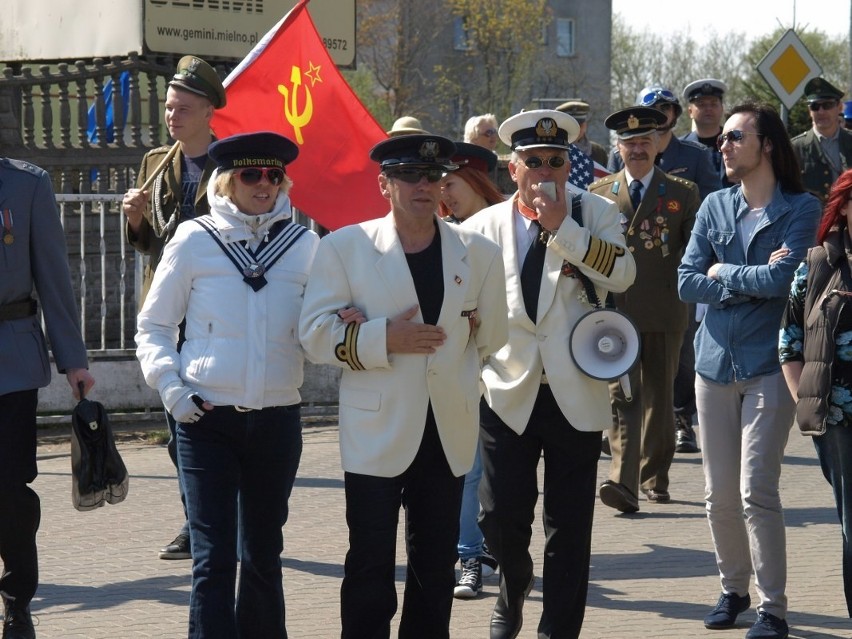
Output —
<point x="583" y="170"/>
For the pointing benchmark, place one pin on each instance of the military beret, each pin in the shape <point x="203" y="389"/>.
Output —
<point x="263" y="148"/>
<point x="196" y="76"/>
<point x="540" y="128"/>
<point x="821" y="89"/>
<point x="633" y="122"/>
<point x="475" y="156"/>
<point x="577" y="109"/>
<point x="406" y="125"/>
<point x="707" y="86"/>
<point x="414" y="150"/>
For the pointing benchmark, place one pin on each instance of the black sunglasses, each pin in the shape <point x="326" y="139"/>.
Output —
<point x="253" y="175"/>
<point x="413" y="176"/>
<point x="735" y="136"/>
<point x="825" y="104"/>
<point x="535" y="162"/>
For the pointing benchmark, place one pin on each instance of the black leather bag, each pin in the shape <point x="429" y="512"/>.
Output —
<point x="98" y="474"/>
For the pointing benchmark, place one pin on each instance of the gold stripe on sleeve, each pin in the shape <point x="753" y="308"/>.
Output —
<point x="601" y="256"/>
<point x="347" y="350"/>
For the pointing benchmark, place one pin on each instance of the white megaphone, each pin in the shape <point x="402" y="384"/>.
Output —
<point x="605" y="345"/>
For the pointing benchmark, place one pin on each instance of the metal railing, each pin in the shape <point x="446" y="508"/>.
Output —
<point x="106" y="271"/>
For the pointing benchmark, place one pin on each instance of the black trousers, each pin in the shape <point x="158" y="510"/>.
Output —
<point x="431" y="496"/>
<point x="508" y="493"/>
<point x="20" y="508"/>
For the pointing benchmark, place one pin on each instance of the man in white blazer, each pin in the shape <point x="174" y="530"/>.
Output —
<point x="536" y="400"/>
<point x="408" y="307"/>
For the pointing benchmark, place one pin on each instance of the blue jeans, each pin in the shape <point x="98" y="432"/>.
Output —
<point x="470" y="536"/>
<point x="172" y="448"/>
<point x="834" y="450"/>
<point x="238" y="471"/>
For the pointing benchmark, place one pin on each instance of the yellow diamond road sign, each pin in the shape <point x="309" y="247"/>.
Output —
<point x="787" y="67"/>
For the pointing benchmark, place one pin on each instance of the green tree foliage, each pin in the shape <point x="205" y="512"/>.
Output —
<point x="676" y="59"/>
<point x="495" y="73"/>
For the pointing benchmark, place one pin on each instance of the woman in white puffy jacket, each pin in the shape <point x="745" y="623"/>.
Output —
<point x="238" y="277"/>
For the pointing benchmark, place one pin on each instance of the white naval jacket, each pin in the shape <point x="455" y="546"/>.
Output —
<point x="512" y="375"/>
<point x="241" y="345"/>
<point x="384" y="396"/>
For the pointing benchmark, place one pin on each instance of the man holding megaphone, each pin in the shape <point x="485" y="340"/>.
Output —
<point x="536" y="398"/>
<point x="657" y="213"/>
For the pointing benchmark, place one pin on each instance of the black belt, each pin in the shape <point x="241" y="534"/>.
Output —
<point x="18" y="310"/>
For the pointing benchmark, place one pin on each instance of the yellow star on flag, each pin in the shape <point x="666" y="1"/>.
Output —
<point x="313" y="73"/>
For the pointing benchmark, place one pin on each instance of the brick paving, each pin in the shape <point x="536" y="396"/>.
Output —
<point x="652" y="574"/>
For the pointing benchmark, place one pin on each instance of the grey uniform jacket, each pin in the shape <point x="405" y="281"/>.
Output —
<point x="34" y="259"/>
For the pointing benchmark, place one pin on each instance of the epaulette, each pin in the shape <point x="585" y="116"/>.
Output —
<point x="801" y="135"/>
<point x="21" y="165"/>
<point x="693" y="144"/>
<point x="682" y="181"/>
<point x="602" y="181"/>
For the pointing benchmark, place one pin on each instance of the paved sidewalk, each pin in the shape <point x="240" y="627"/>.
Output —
<point x="653" y="573"/>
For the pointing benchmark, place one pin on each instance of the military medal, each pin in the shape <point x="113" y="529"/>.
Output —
<point x="8" y="237"/>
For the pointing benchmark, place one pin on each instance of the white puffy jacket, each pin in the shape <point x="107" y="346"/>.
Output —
<point x="242" y="346"/>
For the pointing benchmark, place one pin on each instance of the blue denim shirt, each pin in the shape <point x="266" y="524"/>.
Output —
<point x="738" y="338"/>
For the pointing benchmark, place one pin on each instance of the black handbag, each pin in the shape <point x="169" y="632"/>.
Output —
<point x="98" y="474"/>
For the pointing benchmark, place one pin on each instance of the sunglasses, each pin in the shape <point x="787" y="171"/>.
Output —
<point x="734" y="137"/>
<point x="253" y="175"/>
<point x="825" y="104"/>
<point x="654" y="96"/>
<point x="535" y="162"/>
<point x="490" y="133"/>
<point x="413" y="176"/>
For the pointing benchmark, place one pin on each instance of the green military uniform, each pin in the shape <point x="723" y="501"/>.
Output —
<point x="643" y="441"/>
<point x="818" y="174"/>
<point x="163" y="213"/>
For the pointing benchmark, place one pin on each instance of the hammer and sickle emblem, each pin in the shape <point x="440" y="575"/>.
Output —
<point x="291" y="104"/>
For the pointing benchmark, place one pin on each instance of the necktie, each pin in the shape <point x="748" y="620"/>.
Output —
<point x="635" y="194"/>
<point x="531" y="273"/>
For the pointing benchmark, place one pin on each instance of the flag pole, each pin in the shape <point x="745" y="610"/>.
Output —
<point x="161" y="167"/>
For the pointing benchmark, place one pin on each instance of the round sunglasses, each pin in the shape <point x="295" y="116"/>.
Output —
<point x="535" y="162"/>
<point x="253" y="175"/>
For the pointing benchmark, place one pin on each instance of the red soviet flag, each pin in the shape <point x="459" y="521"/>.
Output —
<point x="289" y="84"/>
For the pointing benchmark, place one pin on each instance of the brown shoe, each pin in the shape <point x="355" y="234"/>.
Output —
<point x="618" y="496"/>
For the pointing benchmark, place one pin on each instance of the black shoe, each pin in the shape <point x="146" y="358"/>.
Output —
<point x="17" y="621"/>
<point x="507" y="618"/>
<point x="489" y="563"/>
<point x="768" y="626"/>
<point x="685" y="441"/>
<point x="469" y="584"/>
<point x="618" y="496"/>
<point x="657" y="496"/>
<point x="724" y="615"/>
<point x="178" y="549"/>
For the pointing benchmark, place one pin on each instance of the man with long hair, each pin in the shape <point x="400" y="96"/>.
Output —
<point x="744" y="248"/>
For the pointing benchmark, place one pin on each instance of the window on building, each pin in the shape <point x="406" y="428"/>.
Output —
<point x="564" y="37"/>
<point x="461" y="35"/>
